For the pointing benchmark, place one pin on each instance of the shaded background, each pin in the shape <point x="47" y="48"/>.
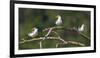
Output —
<point x="44" y="18"/>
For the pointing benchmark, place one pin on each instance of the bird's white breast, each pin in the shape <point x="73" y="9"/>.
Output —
<point x="59" y="21"/>
<point x="33" y="33"/>
<point x="81" y="28"/>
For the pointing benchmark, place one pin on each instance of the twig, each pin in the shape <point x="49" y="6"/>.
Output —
<point x="58" y="27"/>
<point x="49" y="32"/>
<point x="76" y="43"/>
<point x="60" y="37"/>
<point x="83" y="35"/>
<point x="54" y="38"/>
<point x="23" y="39"/>
<point x="71" y="42"/>
<point x="60" y="43"/>
<point x="39" y="39"/>
<point x="40" y="43"/>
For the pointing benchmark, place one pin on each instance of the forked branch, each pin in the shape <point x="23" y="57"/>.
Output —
<point x="62" y="41"/>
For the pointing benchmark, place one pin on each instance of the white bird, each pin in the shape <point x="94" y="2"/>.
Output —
<point x="81" y="28"/>
<point x="34" y="33"/>
<point x="59" y="21"/>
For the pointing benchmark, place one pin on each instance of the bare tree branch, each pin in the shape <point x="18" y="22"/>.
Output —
<point x="38" y="39"/>
<point x="83" y="35"/>
<point x="71" y="42"/>
<point x="53" y="38"/>
<point x="71" y="29"/>
<point x="60" y="43"/>
<point x="51" y="29"/>
<point x="76" y="43"/>
<point x="60" y="37"/>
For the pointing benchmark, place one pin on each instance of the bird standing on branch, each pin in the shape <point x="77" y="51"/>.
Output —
<point x="34" y="33"/>
<point x="81" y="28"/>
<point x="59" y="20"/>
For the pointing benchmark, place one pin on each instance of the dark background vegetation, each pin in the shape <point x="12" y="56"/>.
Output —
<point x="45" y="18"/>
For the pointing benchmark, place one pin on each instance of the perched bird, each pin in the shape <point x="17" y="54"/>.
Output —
<point x="81" y="28"/>
<point x="34" y="33"/>
<point x="59" y="20"/>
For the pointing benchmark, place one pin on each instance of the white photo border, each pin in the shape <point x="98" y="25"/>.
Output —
<point x="17" y="5"/>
